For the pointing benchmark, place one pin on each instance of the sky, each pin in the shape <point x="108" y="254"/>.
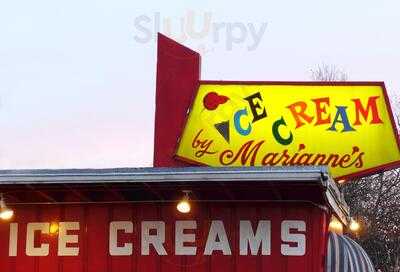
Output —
<point x="77" y="78"/>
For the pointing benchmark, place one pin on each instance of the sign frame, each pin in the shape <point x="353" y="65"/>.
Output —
<point x="358" y="174"/>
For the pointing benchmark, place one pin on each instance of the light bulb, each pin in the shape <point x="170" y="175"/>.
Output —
<point x="6" y="214"/>
<point x="354" y="225"/>
<point x="335" y="226"/>
<point x="183" y="206"/>
<point x="53" y="228"/>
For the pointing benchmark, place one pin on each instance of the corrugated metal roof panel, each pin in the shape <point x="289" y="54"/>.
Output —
<point x="188" y="174"/>
<point x="280" y="183"/>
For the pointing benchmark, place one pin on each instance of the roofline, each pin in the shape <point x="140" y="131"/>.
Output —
<point x="317" y="175"/>
<point x="148" y="175"/>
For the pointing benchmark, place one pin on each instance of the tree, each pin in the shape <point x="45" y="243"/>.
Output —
<point x="374" y="201"/>
<point x="328" y="73"/>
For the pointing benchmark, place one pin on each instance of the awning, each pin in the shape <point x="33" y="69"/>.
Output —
<point x="277" y="184"/>
<point x="345" y="255"/>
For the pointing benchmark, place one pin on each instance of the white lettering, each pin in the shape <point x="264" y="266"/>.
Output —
<point x="13" y="242"/>
<point x="217" y="230"/>
<point x="115" y="250"/>
<point x="298" y="238"/>
<point x="156" y="240"/>
<point x="64" y="239"/>
<point x="181" y="238"/>
<point x="30" y="248"/>
<point x="253" y="238"/>
<point x="262" y="237"/>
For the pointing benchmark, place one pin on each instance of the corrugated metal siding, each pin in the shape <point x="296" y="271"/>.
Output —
<point x="345" y="255"/>
<point x="94" y="226"/>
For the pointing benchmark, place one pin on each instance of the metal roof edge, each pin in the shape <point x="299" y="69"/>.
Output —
<point x="151" y="174"/>
<point x="337" y="202"/>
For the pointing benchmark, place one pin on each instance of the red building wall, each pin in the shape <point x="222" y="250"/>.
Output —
<point x="93" y="238"/>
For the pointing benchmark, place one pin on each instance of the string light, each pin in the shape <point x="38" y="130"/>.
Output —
<point x="335" y="226"/>
<point x="53" y="228"/>
<point x="184" y="204"/>
<point x="354" y="225"/>
<point x="5" y="212"/>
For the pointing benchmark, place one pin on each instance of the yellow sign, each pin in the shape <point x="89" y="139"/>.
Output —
<point x="347" y="126"/>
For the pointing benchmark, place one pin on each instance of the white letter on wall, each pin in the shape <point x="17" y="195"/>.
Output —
<point x="262" y="237"/>
<point x="30" y="249"/>
<point x="181" y="238"/>
<point x="115" y="250"/>
<point x="156" y="240"/>
<point x="13" y="242"/>
<point x="217" y="230"/>
<point x="64" y="239"/>
<point x="298" y="238"/>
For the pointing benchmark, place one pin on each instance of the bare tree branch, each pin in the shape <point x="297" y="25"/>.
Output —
<point x="373" y="200"/>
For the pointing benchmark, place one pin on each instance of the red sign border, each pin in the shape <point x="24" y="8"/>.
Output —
<point x="178" y="81"/>
<point x="359" y="174"/>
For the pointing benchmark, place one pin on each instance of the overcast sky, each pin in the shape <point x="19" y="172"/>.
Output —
<point x="77" y="78"/>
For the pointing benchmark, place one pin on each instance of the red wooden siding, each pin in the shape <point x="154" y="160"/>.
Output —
<point x="94" y="238"/>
